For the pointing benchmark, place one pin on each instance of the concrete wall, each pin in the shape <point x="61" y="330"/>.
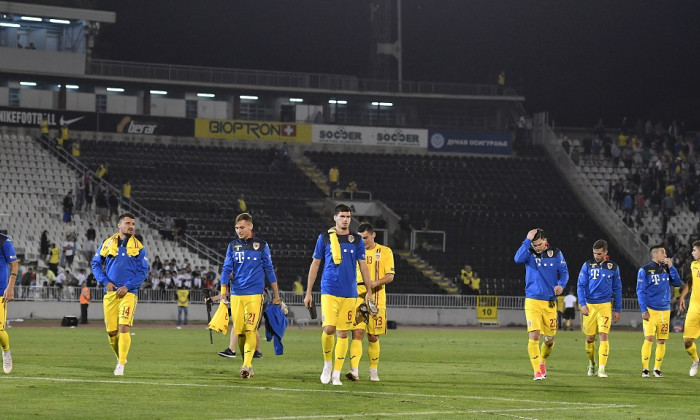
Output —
<point x="168" y="312"/>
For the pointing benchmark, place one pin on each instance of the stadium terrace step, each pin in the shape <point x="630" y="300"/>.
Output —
<point x="314" y="174"/>
<point x="428" y="271"/>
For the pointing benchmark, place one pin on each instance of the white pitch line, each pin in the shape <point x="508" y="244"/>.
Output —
<point x="335" y="416"/>
<point x="504" y="413"/>
<point x="333" y="391"/>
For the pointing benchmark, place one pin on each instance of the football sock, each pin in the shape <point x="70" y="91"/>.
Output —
<point x="659" y="355"/>
<point x="124" y="345"/>
<point x="533" y="349"/>
<point x="356" y="353"/>
<point x="545" y="351"/>
<point x="693" y="352"/>
<point x="327" y="341"/>
<point x="241" y="344"/>
<point x="4" y="340"/>
<point x="114" y="344"/>
<point x="603" y="352"/>
<point x="646" y="353"/>
<point x="590" y="351"/>
<point x="249" y="348"/>
<point x="341" y="349"/>
<point x="373" y="353"/>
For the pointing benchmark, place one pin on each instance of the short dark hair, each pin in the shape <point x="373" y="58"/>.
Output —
<point x="365" y="227"/>
<point x="341" y="208"/>
<point x="600" y="244"/>
<point x="539" y="235"/>
<point x="696" y="243"/>
<point x="655" y="247"/>
<point x="123" y="215"/>
<point x="244" y="216"/>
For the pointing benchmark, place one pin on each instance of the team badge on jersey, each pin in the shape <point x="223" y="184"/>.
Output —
<point x="550" y="253"/>
<point x="256" y="245"/>
<point x="351" y="238"/>
<point x="610" y="266"/>
<point x="377" y="256"/>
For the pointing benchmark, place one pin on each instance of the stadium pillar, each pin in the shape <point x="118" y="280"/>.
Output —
<point x="236" y="107"/>
<point x="62" y="97"/>
<point x="146" y="102"/>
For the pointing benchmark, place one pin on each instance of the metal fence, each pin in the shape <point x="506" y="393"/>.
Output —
<point x="279" y="79"/>
<point x="72" y="293"/>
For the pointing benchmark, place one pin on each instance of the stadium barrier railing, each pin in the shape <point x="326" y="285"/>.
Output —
<point x="72" y="294"/>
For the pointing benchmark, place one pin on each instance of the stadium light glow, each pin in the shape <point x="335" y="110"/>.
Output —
<point x="296" y="100"/>
<point x="111" y="89"/>
<point x="9" y="25"/>
<point x="205" y="95"/>
<point x="336" y="101"/>
<point x="249" y="97"/>
<point x="72" y="86"/>
<point x="60" y="21"/>
<point x="382" y="104"/>
<point x="27" y="83"/>
<point x="31" y="18"/>
<point x="159" y="92"/>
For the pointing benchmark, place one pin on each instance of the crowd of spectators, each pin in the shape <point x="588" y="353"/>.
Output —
<point x="660" y="177"/>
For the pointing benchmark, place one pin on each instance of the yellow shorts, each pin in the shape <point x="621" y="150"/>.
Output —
<point x="598" y="319"/>
<point x="658" y="324"/>
<point x="375" y="325"/>
<point x="338" y="312"/>
<point x="691" y="329"/>
<point x="245" y="312"/>
<point x="3" y="314"/>
<point x="119" y="310"/>
<point x="540" y="317"/>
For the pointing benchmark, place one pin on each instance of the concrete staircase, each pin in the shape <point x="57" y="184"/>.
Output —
<point x="314" y="174"/>
<point x="428" y="271"/>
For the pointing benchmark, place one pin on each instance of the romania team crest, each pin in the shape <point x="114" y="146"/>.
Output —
<point x="256" y="245"/>
<point x="550" y="253"/>
<point x="351" y="238"/>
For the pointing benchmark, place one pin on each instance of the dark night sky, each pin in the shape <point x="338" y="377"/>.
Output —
<point x="577" y="59"/>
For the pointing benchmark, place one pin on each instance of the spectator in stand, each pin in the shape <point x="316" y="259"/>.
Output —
<point x="615" y="153"/>
<point x="334" y="177"/>
<point x="126" y="193"/>
<point x="242" y="206"/>
<point x="157" y="265"/>
<point x="90" y="234"/>
<point x="44" y="245"/>
<point x="113" y="202"/>
<point x="54" y="258"/>
<point x="75" y="148"/>
<point x="587" y="144"/>
<point x="566" y="145"/>
<point x="466" y="275"/>
<point x="89" y="188"/>
<point x="102" y="171"/>
<point x="79" y="193"/>
<point x="102" y="206"/>
<point x="26" y="281"/>
<point x="596" y="147"/>
<point x="69" y="250"/>
<point x="68" y="207"/>
<point x="668" y="205"/>
<point x="62" y="279"/>
<point x="167" y="231"/>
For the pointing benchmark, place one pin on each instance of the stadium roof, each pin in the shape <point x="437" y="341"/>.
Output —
<point x="12" y="8"/>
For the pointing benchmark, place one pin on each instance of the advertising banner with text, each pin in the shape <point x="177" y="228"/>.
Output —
<point x="92" y="121"/>
<point x="252" y="130"/>
<point x="370" y="136"/>
<point x="485" y="143"/>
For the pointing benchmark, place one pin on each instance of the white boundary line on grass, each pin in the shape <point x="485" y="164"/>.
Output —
<point x="572" y="405"/>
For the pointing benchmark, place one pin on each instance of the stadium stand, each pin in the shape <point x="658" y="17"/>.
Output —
<point x="201" y="184"/>
<point x="486" y="205"/>
<point x="34" y="183"/>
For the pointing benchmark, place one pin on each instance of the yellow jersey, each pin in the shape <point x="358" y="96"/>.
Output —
<point x="380" y="261"/>
<point x="694" y="305"/>
<point x="183" y="297"/>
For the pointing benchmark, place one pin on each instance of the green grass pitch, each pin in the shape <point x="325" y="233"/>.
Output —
<point x="425" y="373"/>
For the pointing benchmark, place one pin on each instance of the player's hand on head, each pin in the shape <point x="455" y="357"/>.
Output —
<point x="531" y="234"/>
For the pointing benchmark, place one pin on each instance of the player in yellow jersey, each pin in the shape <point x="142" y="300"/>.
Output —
<point x="691" y="330"/>
<point x="380" y="261"/>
